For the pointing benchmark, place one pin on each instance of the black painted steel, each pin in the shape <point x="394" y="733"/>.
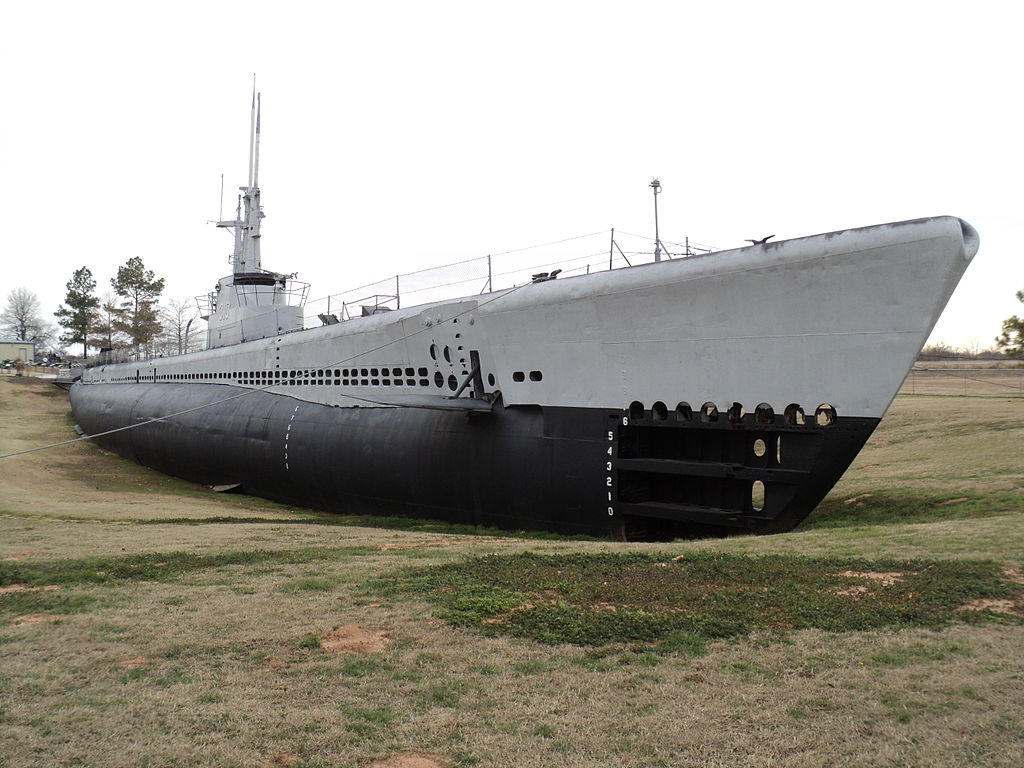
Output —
<point x="571" y="470"/>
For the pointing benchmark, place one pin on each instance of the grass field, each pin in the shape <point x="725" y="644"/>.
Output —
<point x="148" y="622"/>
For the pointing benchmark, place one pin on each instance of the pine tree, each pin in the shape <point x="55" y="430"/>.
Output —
<point x="138" y="315"/>
<point x="80" y="314"/>
<point x="103" y="334"/>
<point x="1011" y="340"/>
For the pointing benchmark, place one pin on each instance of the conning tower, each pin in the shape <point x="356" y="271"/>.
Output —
<point x="251" y="303"/>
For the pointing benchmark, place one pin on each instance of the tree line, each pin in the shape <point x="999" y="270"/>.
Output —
<point x="129" y="316"/>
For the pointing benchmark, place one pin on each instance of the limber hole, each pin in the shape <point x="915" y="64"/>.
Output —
<point x="757" y="496"/>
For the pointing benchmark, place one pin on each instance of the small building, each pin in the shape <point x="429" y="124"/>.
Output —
<point x="12" y="349"/>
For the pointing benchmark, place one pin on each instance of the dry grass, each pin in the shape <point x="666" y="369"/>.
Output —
<point x="222" y="665"/>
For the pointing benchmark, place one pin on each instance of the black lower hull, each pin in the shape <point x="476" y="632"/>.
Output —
<point x="570" y="470"/>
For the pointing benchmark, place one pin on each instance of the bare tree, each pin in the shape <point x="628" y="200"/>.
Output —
<point x="22" y="319"/>
<point x="180" y="328"/>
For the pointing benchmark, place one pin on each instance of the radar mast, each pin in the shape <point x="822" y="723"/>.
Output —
<point x="246" y="257"/>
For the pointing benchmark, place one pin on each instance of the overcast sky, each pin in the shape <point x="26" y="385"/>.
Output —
<point x="402" y="135"/>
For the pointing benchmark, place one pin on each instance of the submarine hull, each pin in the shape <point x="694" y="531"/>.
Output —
<point x="602" y="472"/>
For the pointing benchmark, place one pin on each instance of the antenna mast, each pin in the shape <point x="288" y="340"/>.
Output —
<point x="252" y="128"/>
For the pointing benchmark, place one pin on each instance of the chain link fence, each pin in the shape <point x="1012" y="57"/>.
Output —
<point x="972" y="381"/>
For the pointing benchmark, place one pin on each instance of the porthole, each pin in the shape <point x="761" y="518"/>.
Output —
<point x="374" y="372"/>
<point x="518" y="376"/>
<point x="422" y="372"/>
<point x="636" y="410"/>
<point x="364" y="372"/>
<point x="757" y="496"/>
<point x="438" y="379"/>
<point x="760" y="447"/>
<point x="794" y="415"/>
<point x="825" y="415"/>
<point x="659" y="411"/>
<point x="735" y="413"/>
<point x="453" y="383"/>
<point x="410" y="372"/>
<point x="490" y="379"/>
<point x="433" y="351"/>
<point x="684" y="412"/>
<point x="536" y="375"/>
<point x="364" y="382"/>
<point x="709" y="412"/>
<point x="424" y="382"/>
<point x="447" y="354"/>
<point x="764" y="414"/>
<point x="396" y="371"/>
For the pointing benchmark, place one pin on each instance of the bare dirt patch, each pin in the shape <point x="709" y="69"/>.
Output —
<point x="1000" y="606"/>
<point x="285" y="759"/>
<point x="352" y="638"/>
<point x="1014" y="575"/>
<point x="136" y="661"/>
<point x="411" y="760"/>
<point x="35" y="618"/>
<point x="856" y="589"/>
<point x="857" y="498"/>
<point x="401" y="546"/>
<point x="20" y="556"/>
<point x="885" y="579"/>
<point x="26" y="588"/>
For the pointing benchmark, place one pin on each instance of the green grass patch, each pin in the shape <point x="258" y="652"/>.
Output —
<point x="679" y="606"/>
<point x="157" y="566"/>
<point x="16" y="603"/>
<point x="309" y="584"/>
<point x="918" y="654"/>
<point x="909" y="506"/>
<point x="373" y="715"/>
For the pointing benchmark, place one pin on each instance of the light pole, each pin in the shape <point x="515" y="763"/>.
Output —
<point x="656" y="186"/>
